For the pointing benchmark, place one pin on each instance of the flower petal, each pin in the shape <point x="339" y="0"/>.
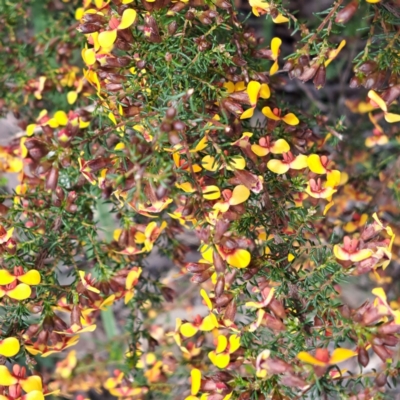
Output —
<point x="222" y="344"/>
<point x="32" y="277"/>
<point x="248" y="113"/>
<point x="275" y="45"/>
<point x="274" y="68"/>
<point x="239" y="195"/>
<point x="309" y="359"/>
<point x="107" y="38"/>
<point x="32" y="383"/>
<point x="211" y="192"/>
<point x="234" y="343"/>
<point x="188" y="330"/>
<point x="339" y="355"/>
<point x="265" y="92"/>
<point x="196" y="381"/>
<point x="20" y="292"/>
<point x="6" y="278"/>
<point x="269" y="114"/>
<point x="259" y="150"/>
<point x="280" y="146"/>
<point x="9" y="347"/>
<point x="299" y="162"/>
<point x="6" y="379"/>
<point x="291" y="119"/>
<point x="240" y="258"/>
<point x="277" y="167"/>
<point x="391" y="118"/>
<point x="377" y="100"/>
<point x="361" y="255"/>
<point x="128" y="18"/>
<point x="209" y="163"/>
<point x="315" y="164"/>
<point x="253" y="88"/>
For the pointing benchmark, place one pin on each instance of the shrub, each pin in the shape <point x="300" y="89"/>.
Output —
<point x="182" y="122"/>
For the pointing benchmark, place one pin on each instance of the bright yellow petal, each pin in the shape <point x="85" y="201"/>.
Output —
<point x="253" y="88"/>
<point x="89" y="56"/>
<point x="299" y="162"/>
<point x="32" y="383"/>
<point x="32" y="277"/>
<point x="6" y="379"/>
<point x="259" y="150"/>
<point x="277" y="167"/>
<point x="229" y="86"/>
<point x="21" y="292"/>
<point x="61" y="118"/>
<point x="128" y="18"/>
<point x="107" y="38"/>
<point x="291" y="119"/>
<point x="315" y="165"/>
<point x="280" y="19"/>
<point x="209" y="163"/>
<point x="209" y="323"/>
<point x="377" y="100"/>
<point x="6" y="278"/>
<point x="309" y="359"/>
<point x="240" y="258"/>
<point x="248" y="113"/>
<point x="9" y="347"/>
<point x="237" y="162"/>
<point x="339" y="355"/>
<point x="274" y="68"/>
<point x="239" y="195"/>
<point x="280" y="146"/>
<point x="222" y="360"/>
<point x="391" y="118"/>
<point x="188" y="330"/>
<point x="222" y="344"/>
<point x="211" y="192"/>
<point x="234" y="343"/>
<point x="35" y="395"/>
<point x="196" y="381"/>
<point x="361" y="255"/>
<point x="265" y="92"/>
<point x="340" y="254"/>
<point x="72" y="97"/>
<point x="206" y="299"/>
<point x="275" y="45"/>
<point x="269" y="114"/>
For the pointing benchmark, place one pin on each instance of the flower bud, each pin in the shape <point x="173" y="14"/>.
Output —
<point x="220" y="286"/>
<point x="381" y="379"/>
<point x="219" y="263"/>
<point x="89" y="28"/>
<point x="367" y="67"/>
<point x="320" y="77"/>
<point x="363" y="357"/>
<point x="346" y="13"/>
<point x="168" y="294"/>
<point x="230" y="311"/>
<point x="202" y="277"/>
<point x="172" y="27"/>
<point x="223" y="300"/>
<point x="52" y="179"/>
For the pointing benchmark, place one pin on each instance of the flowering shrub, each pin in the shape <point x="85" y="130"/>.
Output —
<point x="145" y="124"/>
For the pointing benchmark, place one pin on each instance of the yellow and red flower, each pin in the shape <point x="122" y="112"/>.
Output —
<point x="220" y="357"/>
<point x="289" y="162"/>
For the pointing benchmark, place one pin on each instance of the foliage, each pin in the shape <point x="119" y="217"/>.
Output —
<point x="146" y="122"/>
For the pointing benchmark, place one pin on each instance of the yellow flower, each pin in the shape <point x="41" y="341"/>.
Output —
<point x="322" y="358"/>
<point x="254" y="91"/>
<point x="289" y="162"/>
<point x="377" y="101"/>
<point x="260" y="7"/>
<point x="220" y="357"/>
<point x="275" y="115"/>
<point x="275" y="45"/>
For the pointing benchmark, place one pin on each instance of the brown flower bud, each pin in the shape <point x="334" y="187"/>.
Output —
<point x="363" y="357"/>
<point x="367" y="67"/>
<point x="346" y="13"/>
<point x="382" y="352"/>
<point x="263" y="53"/>
<point x="309" y="73"/>
<point x="223" y="300"/>
<point x="52" y="179"/>
<point x="225" y="5"/>
<point x="219" y="263"/>
<point x="219" y="286"/>
<point x="202" y="277"/>
<point x="277" y="308"/>
<point x="177" y="7"/>
<point x="355" y="82"/>
<point x="89" y="28"/>
<point x="168" y="294"/>
<point x="230" y="311"/>
<point x="196" y="268"/>
<point x="88" y="17"/>
<point x="320" y="77"/>
<point x="381" y="379"/>
<point x="289" y="65"/>
<point x="304" y="60"/>
<point x="172" y="27"/>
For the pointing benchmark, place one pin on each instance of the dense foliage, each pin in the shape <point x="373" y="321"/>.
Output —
<point x="159" y="127"/>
